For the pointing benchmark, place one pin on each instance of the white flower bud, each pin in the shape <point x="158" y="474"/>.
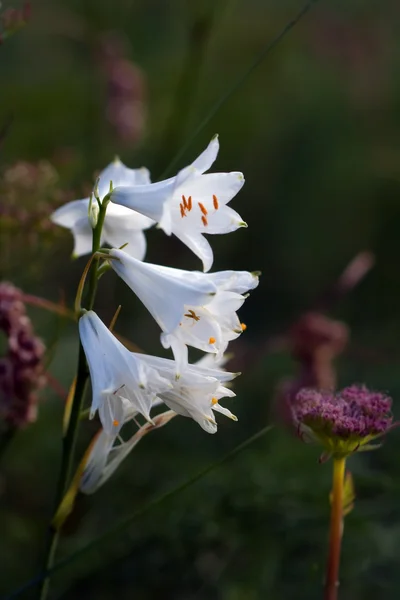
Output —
<point x="93" y="214"/>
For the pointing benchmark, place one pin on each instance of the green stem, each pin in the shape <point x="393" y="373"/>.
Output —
<point x="336" y="530"/>
<point x="95" y="247"/>
<point x="70" y="438"/>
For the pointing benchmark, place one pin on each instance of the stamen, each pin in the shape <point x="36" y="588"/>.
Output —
<point x="117" y="390"/>
<point x="183" y="214"/>
<point x="192" y="315"/>
<point x="185" y="204"/>
<point x="243" y="326"/>
<point x="205" y="222"/>
<point x="203" y="209"/>
<point x="212" y="340"/>
<point x="215" y="202"/>
<point x="115" y="423"/>
<point x="214" y="401"/>
<point x="189" y="203"/>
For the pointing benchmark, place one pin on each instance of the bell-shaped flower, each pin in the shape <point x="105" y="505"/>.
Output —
<point x="196" y="393"/>
<point x="190" y="204"/>
<point x="121" y="225"/>
<point x="108" y="451"/>
<point x="121" y="381"/>
<point x="192" y="308"/>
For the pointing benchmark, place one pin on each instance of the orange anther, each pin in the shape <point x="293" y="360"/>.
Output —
<point x="214" y="401"/>
<point x="115" y="423"/>
<point x="189" y="203"/>
<point x="212" y="340"/>
<point x="215" y="202"/>
<point x="203" y="209"/>
<point x="243" y="326"/>
<point x="185" y="204"/>
<point x="183" y="214"/>
<point x="191" y="315"/>
<point x="205" y="222"/>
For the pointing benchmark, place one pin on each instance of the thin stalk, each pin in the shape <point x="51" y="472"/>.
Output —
<point x="336" y="530"/>
<point x="48" y="305"/>
<point x="95" y="247"/>
<point x="71" y="435"/>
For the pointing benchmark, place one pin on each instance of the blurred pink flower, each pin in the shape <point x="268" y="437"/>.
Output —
<point x="21" y="368"/>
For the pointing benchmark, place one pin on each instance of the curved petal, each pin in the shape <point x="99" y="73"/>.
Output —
<point x="163" y="290"/>
<point x="207" y="157"/>
<point x="224" y="411"/>
<point x="70" y="213"/>
<point x="120" y="175"/>
<point x="82" y="233"/>
<point x="136" y="241"/>
<point x="198" y="244"/>
<point x="225" y="220"/>
<point x="179" y="349"/>
<point x="125" y="218"/>
<point x="102" y="444"/>
<point x="145" y="199"/>
<point x="225" y="302"/>
<point x="235" y="281"/>
<point x="224" y="186"/>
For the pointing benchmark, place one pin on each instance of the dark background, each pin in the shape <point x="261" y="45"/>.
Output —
<point x="316" y="131"/>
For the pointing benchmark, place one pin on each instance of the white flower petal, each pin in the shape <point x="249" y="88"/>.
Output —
<point x="82" y="233"/>
<point x="105" y="456"/>
<point x="224" y="411"/>
<point x="224" y="186"/>
<point x="207" y="157"/>
<point x="163" y="290"/>
<point x="136" y="241"/>
<point x="145" y="199"/>
<point x="119" y="378"/>
<point x="235" y="281"/>
<point x="226" y="302"/>
<point x="189" y="204"/>
<point x="96" y="462"/>
<point x="120" y="175"/>
<point x="204" y="367"/>
<point x="188" y="310"/>
<point x="120" y="222"/>
<point x="226" y="220"/>
<point x="119" y="217"/>
<point x="198" y="244"/>
<point x="70" y="213"/>
<point x="179" y="349"/>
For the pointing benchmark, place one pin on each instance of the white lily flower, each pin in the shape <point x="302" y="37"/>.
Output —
<point x="195" y="395"/>
<point x="189" y="204"/>
<point x="197" y="391"/>
<point x="192" y="308"/>
<point x="108" y="451"/>
<point x="122" y="382"/>
<point x="121" y="225"/>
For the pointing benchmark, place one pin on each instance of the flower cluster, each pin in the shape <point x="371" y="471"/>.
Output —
<point x="192" y="308"/>
<point x="21" y="369"/>
<point x="344" y="422"/>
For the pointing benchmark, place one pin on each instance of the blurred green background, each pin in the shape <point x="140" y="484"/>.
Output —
<point x="316" y="131"/>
